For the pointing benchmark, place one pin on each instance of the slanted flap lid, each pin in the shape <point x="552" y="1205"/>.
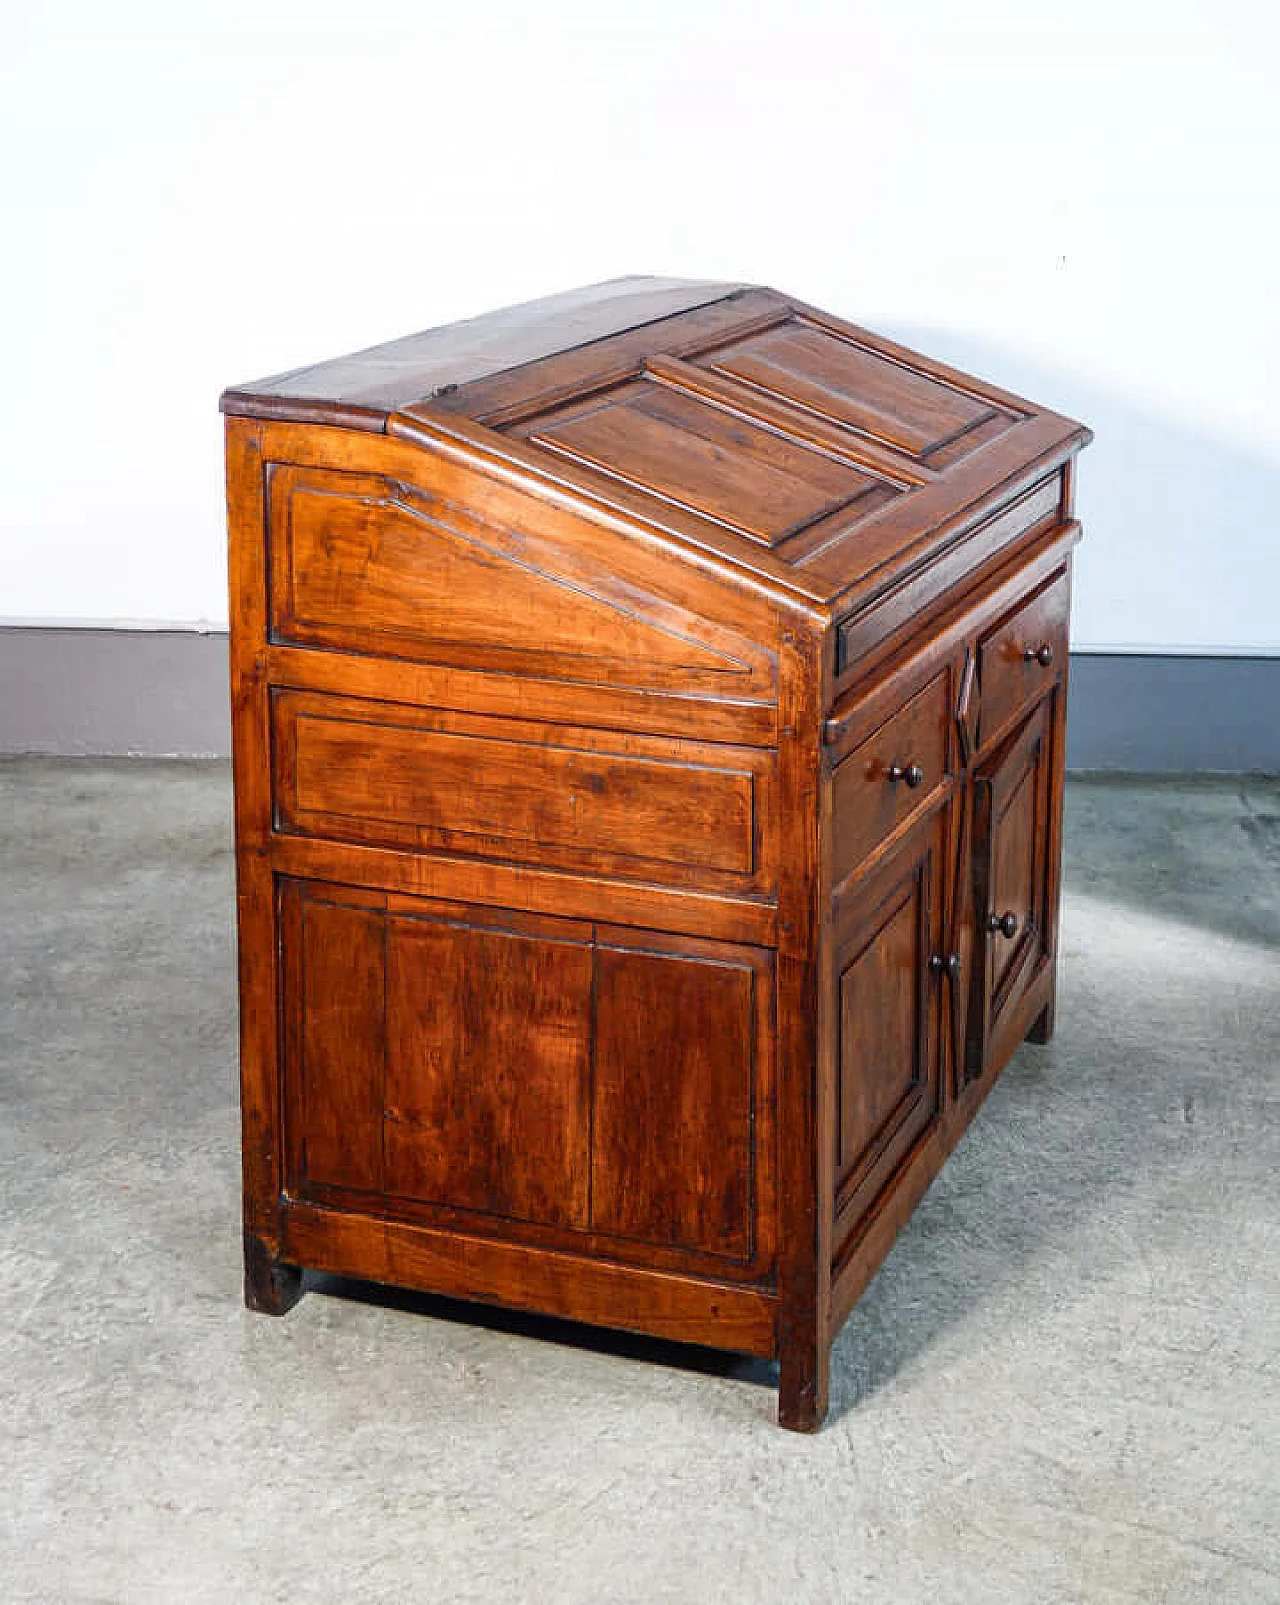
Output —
<point x="821" y="458"/>
<point x="771" y="432"/>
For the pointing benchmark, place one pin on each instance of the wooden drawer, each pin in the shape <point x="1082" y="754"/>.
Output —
<point x="604" y="802"/>
<point x="889" y="778"/>
<point x="1023" y="657"/>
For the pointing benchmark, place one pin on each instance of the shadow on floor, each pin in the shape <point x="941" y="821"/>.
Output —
<point x="1172" y="915"/>
<point x="1202" y="851"/>
<point x="551" y="1329"/>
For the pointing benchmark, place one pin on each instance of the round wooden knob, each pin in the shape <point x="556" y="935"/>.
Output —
<point x="912" y="774"/>
<point x="1006" y="924"/>
<point x="1043" y="655"/>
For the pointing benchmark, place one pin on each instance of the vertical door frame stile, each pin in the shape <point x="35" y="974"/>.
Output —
<point x="1042" y="1027"/>
<point x="958" y="924"/>
<point x="270" y="1286"/>
<point x="386" y="1046"/>
<point x="805" y="1079"/>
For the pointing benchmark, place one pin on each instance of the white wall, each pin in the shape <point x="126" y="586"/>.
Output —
<point x="1079" y="202"/>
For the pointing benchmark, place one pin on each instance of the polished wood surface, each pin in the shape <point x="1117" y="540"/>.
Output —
<point x="360" y="388"/>
<point x="1015" y="662"/>
<point x="888" y="933"/>
<point x="645" y="808"/>
<point x="648" y="715"/>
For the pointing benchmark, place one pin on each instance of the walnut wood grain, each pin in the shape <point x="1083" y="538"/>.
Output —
<point x="648" y="733"/>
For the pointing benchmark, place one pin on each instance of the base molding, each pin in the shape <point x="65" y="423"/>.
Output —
<point x="87" y="692"/>
<point x="663" y="1304"/>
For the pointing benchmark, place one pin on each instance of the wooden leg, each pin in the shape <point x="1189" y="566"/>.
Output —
<point x="270" y="1286"/>
<point x="1042" y="1028"/>
<point x="802" y="1386"/>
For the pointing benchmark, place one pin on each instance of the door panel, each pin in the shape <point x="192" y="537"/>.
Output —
<point x="890" y="978"/>
<point x="1011" y="879"/>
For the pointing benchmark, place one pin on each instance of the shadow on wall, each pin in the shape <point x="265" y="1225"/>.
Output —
<point x="1180" y="550"/>
<point x="1181" y="526"/>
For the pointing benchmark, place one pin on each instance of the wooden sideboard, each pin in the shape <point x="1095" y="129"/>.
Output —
<point x="648" y="727"/>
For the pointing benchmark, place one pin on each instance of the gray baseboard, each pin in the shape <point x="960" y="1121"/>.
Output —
<point x="83" y="692"/>
<point x="164" y="692"/>
<point x="1174" y="715"/>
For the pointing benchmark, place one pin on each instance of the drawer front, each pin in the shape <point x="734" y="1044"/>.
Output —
<point x="601" y="802"/>
<point x="1023" y="657"/>
<point x="870" y="627"/>
<point x="889" y="778"/>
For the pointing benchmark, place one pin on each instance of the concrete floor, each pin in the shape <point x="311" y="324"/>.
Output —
<point x="1063" y="1386"/>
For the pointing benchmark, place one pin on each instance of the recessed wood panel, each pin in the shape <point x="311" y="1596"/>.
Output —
<point x="500" y="788"/>
<point x="888" y="995"/>
<point x="675" y="1100"/>
<point x="359" y="563"/>
<point x="868" y="804"/>
<point x="1012" y="869"/>
<point x="546" y="1078"/>
<point x="1014" y="853"/>
<point x="763" y="483"/>
<point x="837" y="377"/>
<point x="488" y="1070"/>
<point x="336" y="1012"/>
<point x="881" y="994"/>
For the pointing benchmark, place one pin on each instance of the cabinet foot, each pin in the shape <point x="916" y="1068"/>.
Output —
<point x="270" y="1286"/>
<point x="1042" y="1027"/>
<point x="802" y="1389"/>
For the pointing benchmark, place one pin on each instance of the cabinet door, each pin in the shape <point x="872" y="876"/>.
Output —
<point x="891" y="979"/>
<point x="1011" y="859"/>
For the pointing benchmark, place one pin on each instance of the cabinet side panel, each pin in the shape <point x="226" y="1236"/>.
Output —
<point x="674" y="1101"/>
<point x="335" y="1005"/>
<point x="432" y="566"/>
<point x="488" y="1070"/>
<point x="255" y="913"/>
